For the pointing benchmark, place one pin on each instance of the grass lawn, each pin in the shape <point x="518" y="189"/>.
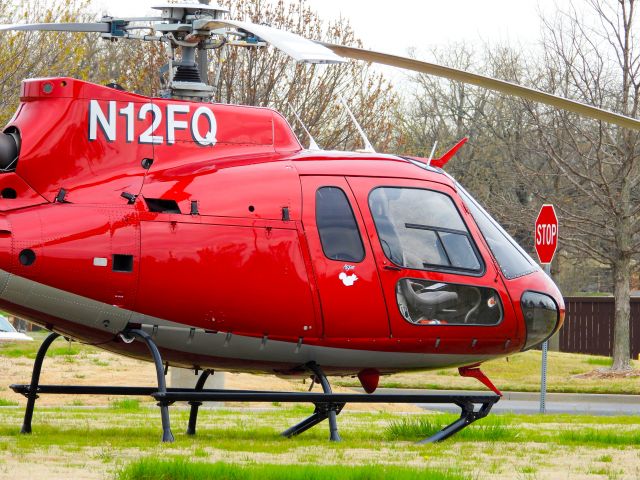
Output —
<point x="122" y="443"/>
<point x="29" y="349"/>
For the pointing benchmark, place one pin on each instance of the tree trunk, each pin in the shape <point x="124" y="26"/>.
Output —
<point x="621" y="293"/>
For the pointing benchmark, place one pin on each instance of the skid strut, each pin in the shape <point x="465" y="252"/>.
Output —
<point x="167" y="436"/>
<point x="322" y="411"/>
<point x="33" y="389"/>
<point x="195" y="405"/>
<point x="467" y="417"/>
<point x="35" y="380"/>
<point x="327" y="404"/>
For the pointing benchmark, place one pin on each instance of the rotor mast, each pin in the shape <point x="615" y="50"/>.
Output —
<point x="203" y="55"/>
<point x="188" y="77"/>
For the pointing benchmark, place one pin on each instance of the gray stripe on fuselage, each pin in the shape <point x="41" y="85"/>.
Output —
<point x="178" y="337"/>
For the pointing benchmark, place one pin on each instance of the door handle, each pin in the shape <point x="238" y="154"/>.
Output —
<point x="392" y="268"/>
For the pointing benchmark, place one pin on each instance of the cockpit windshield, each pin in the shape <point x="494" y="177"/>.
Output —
<point x="513" y="260"/>
<point x="422" y="229"/>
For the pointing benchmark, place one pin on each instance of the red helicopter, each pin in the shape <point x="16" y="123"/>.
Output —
<point x="205" y="236"/>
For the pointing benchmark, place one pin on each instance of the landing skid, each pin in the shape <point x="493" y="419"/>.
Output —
<point x="327" y="404"/>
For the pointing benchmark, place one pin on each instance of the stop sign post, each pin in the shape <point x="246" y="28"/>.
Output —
<point x="546" y="234"/>
<point x="546" y="241"/>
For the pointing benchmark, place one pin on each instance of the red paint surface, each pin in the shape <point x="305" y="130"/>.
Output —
<point x="239" y="265"/>
<point x="369" y="378"/>
<point x="473" y="371"/>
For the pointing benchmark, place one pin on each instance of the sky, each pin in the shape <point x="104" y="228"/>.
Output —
<point x="395" y="26"/>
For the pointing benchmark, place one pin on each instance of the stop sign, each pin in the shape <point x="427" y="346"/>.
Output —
<point x="546" y="233"/>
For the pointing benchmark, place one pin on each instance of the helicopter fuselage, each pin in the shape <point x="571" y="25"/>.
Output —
<point x="211" y="228"/>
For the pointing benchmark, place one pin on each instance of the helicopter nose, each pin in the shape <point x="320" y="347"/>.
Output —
<point x="543" y="309"/>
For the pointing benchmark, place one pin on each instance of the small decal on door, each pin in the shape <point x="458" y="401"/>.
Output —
<point x="347" y="280"/>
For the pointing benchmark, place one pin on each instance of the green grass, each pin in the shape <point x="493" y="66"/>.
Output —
<point x="126" y="404"/>
<point x="595" y="436"/>
<point x="260" y="431"/>
<point x="185" y="469"/>
<point x="601" y="361"/>
<point x="249" y="442"/>
<point x="7" y="403"/>
<point x="490" y="429"/>
<point x="30" y="349"/>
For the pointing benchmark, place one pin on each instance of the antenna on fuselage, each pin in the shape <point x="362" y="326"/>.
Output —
<point x="368" y="148"/>
<point x="312" y="143"/>
<point x="433" y="151"/>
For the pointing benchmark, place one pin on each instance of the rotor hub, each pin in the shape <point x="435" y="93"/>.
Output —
<point x="181" y="11"/>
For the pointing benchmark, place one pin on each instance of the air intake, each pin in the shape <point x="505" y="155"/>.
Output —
<point x="9" y="150"/>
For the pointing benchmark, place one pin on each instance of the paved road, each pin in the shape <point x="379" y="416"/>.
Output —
<point x="520" y="402"/>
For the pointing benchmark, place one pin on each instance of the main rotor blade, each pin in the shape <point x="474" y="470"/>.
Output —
<point x="59" y="27"/>
<point x="485" y="82"/>
<point x="297" y="47"/>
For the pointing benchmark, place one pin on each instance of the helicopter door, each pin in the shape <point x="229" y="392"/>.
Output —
<point x="345" y="270"/>
<point x="432" y="270"/>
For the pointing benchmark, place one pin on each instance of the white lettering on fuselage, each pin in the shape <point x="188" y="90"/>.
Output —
<point x="97" y="116"/>
<point x="178" y="117"/>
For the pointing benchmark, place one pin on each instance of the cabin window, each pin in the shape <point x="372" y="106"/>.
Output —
<point x="339" y="234"/>
<point x="423" y="230"/>
<point x="424" y="302"/>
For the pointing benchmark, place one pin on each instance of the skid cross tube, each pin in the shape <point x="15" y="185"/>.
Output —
<point x="322" y="401"/>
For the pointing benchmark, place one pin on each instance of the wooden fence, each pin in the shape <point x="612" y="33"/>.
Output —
<point x="588" y="326"/>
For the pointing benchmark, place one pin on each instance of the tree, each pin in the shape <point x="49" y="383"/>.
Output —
<point x="253" y="76"/>
<point x="447" y="111"/>
<point x="48" y="54"/>
<point x="595" y="59"/>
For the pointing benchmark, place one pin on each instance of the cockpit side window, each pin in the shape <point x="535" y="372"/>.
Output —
<point x="423" y="230"/>
<point x="514" y="262"/>
<point x="339" y="234"/>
